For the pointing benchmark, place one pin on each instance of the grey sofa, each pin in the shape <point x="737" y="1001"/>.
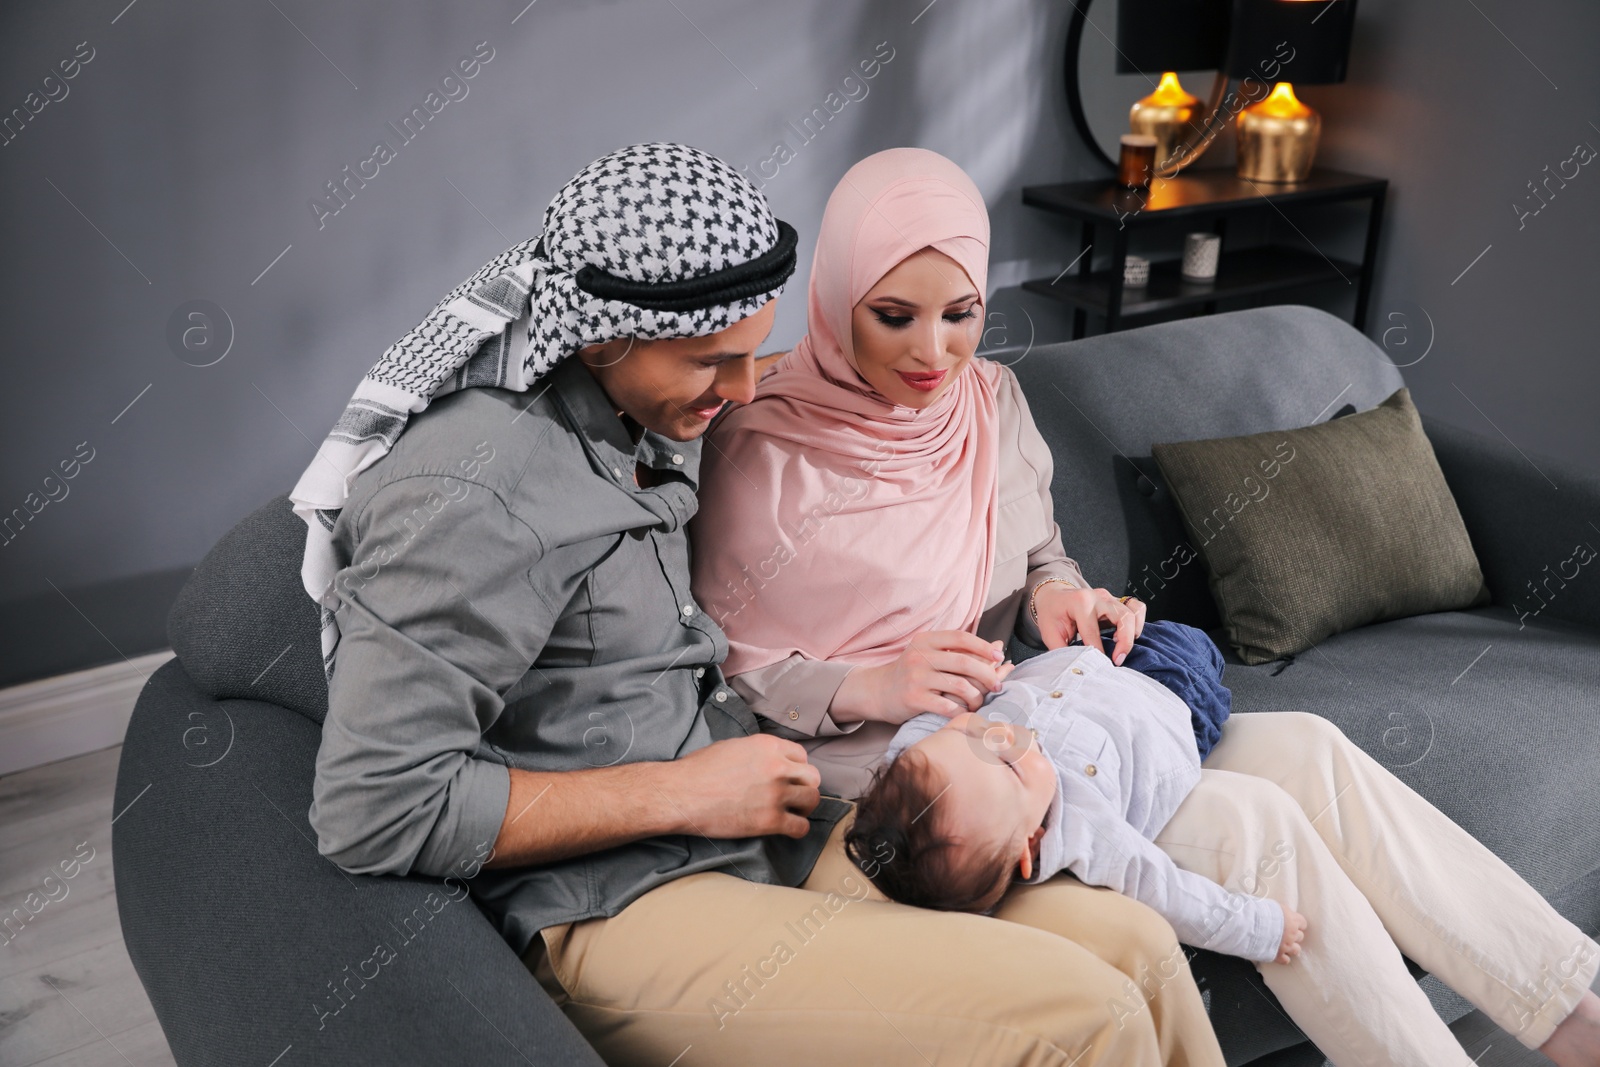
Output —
<point x="248" y="941"/>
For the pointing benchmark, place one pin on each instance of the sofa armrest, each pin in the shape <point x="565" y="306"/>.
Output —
<point x="1536" y="530"/>
<point x="249" y="943"/>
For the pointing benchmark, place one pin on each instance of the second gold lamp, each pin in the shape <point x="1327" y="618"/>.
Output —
<point x="1265" y="43"/>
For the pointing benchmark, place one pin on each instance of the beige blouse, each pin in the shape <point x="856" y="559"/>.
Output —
<point x="793" y="695"/>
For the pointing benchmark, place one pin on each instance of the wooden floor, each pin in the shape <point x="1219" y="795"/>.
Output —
<point x="68" y="993"/>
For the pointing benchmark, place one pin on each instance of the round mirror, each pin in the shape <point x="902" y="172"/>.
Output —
<point x="1103" y="95"/>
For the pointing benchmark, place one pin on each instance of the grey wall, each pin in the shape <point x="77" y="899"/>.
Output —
<point x="184" y="157"/>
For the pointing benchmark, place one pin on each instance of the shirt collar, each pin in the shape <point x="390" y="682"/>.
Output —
<point x="597" y="421"/>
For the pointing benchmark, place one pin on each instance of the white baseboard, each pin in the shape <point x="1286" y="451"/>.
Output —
<point x="70" y="714"/>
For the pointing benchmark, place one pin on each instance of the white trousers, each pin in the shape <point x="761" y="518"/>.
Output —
<point x="1289" y="808"/>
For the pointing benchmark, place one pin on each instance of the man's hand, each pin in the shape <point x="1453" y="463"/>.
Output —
<point x="1065" y="613"/>
<point x="1294" y="932"/>
<point x="742" y="787"/>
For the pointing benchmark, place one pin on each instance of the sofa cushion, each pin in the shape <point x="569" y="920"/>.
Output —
<point x="1101" y="402"/>
<point x="1184" y="590"/>
<point x="1313" y="531"/>
<point x="243" y="626"/>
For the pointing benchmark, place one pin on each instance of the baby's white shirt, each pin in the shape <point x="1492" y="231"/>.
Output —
<point x="1125" y="756"/>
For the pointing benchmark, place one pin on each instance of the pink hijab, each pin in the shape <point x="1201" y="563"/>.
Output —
<point x="834" y="522"/>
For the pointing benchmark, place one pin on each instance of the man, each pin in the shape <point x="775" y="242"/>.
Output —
<point x="522" y="690"/>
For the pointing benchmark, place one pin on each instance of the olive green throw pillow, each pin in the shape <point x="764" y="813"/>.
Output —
<point x="1307" y="533"/>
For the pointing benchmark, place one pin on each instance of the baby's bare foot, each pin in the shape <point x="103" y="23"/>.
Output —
<point x="1576" y="1042"/>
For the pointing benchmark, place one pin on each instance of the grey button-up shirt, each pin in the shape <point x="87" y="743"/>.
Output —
<point x="514" y="599"/>
<point x="1125" y="757"/>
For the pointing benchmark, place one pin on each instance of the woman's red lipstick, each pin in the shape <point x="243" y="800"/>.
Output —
<point x="926" y="383"/>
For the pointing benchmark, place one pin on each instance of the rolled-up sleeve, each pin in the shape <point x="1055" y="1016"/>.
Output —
<point x="437" y="617"/>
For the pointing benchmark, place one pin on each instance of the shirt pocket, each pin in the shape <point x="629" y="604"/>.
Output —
<point x="1083" y="743"/>
<point x="1086" y="752"/>
<point x="629" y="599"/>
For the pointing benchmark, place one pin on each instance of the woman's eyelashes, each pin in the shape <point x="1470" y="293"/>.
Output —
<point x="899" y="322"/>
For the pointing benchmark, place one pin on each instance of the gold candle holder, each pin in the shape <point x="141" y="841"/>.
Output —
<point x="1278" y="138"/>
<point x="1166" y="115"/>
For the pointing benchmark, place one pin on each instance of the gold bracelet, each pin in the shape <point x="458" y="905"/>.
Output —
<point x="1033" y="598"/>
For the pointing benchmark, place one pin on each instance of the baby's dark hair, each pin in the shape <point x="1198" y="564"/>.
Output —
<point x="901" y="842"/>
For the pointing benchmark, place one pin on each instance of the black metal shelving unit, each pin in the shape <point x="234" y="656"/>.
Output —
<point x="1197" y="197"/>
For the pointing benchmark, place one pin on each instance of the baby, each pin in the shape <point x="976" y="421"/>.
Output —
<point x="1074" y="764"/>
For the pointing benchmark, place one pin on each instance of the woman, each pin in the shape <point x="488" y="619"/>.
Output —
<point x="878" y="519"/>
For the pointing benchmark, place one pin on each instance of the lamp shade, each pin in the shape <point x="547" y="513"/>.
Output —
<point x="1306" y="42"/>
<point x="1154" y="36"/>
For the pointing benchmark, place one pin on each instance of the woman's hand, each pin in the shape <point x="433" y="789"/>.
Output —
<point x="943" y="671"/>
<point x="1065" y="613"/>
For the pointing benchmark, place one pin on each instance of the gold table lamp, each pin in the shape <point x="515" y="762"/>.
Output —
<point x="1167" y="114"/>
<point x="1278" y="137"/>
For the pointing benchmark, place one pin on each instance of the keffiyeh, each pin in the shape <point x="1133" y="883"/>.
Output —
<point x="651" y="241"/>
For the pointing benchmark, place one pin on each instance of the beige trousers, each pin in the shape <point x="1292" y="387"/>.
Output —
<point x="712" y="969"/>
<point x="1290" y="809"/>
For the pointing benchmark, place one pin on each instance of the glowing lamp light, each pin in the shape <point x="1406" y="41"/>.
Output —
<point x="1278" y="137"/>
<point x="1167" y="114"/>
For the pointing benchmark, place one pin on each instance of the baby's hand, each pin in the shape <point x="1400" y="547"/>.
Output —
<point x="1294" y="932"/>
